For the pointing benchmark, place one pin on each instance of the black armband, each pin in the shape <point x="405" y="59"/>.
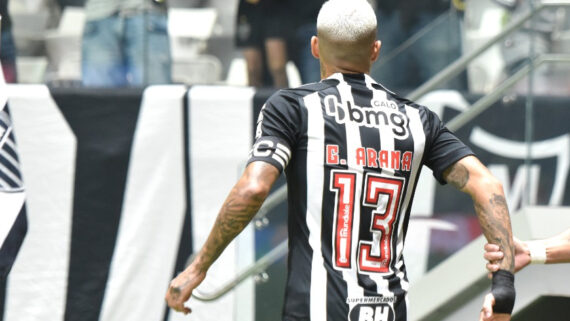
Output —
<point x="503" y="289"/>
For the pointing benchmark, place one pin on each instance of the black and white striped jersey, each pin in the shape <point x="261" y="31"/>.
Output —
<point x="352" y="152"/>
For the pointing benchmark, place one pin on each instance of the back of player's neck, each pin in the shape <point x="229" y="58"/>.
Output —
<point x="344" y="69"/>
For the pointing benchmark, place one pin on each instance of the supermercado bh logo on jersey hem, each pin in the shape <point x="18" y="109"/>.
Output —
<point x="374" y="308"/>
<point x="381" y="114"/>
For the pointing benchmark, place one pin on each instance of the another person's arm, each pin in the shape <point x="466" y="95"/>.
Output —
<point x="239" y="208"/>
<point x="473" y="178"/>
<point x="552" y="250"/>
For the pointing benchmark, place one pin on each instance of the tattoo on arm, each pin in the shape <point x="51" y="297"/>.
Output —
<point x="239" y="208"/>
<point x="495" y="222"/>
<point x="457" y="175"/>
<point x="470" y="176"/>
<point x="236" y="213"/>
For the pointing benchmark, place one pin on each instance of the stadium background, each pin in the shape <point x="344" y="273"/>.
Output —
<point x="123" y="185"/>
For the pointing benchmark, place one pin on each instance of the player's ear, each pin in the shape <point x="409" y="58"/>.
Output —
<point x="376" y="50"/>
<point x="315" y="47"/>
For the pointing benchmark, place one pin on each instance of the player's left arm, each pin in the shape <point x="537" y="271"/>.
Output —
<point x="240" y="206"/>
<point x="469" y="175"/>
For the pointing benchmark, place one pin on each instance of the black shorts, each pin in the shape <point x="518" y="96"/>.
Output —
<point x="260" y="21"/>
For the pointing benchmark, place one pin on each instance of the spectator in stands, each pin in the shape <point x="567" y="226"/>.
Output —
<point x="305" y="18"/>
<point x="516" y="47"/>
<point x="125" y="43"/>
<point x="435" y="49"/>
<point x="541" y="35"/>
<point x="261" y="33"/>
<point x="7" y="46"/>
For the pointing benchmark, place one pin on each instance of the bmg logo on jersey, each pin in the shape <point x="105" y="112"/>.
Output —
<point x="374" y="117"/>
<point x="372" y="312"/>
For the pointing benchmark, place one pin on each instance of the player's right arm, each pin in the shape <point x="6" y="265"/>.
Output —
<point x="275" y="134"/>
<point x="470" y="176"/>
<point x="239" y="208"/>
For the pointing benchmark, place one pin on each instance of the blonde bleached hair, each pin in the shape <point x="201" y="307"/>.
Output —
<point x="346" y="20"/>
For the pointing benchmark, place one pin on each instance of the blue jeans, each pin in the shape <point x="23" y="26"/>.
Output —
<point x="130" y="50"/>
<point x="434" y="51"/>
<point x="8" y="56"/>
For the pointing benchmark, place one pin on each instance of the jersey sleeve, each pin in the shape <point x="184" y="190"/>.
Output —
<point x="277" y="131"/>
<point x="444" y="148"/>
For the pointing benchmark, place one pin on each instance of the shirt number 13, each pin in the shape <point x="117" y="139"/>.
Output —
<point x="380" y="193"/>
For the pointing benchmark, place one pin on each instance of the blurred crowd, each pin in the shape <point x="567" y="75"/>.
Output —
<point x="263" y="43"/>
<point x="7" y="46"/>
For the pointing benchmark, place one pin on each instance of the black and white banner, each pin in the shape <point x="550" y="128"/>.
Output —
<point x="110" y="217"/>
<point x="13" y="224"/>
<point x="221" y="123"/>
<point x="122" y="186"/>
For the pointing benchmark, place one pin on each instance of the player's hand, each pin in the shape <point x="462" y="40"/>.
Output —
<point x="493" y="254"/>
<point x="487" y="311"/>
<point x="181" y="288"/>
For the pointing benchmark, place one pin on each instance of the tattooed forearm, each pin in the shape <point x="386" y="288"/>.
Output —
<point x="239" y="208"/>
<point x="457" y="175"/>
<point x="470" y="176"/>
<point x="493" y="215"/>
<point x="236" y="213"/>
